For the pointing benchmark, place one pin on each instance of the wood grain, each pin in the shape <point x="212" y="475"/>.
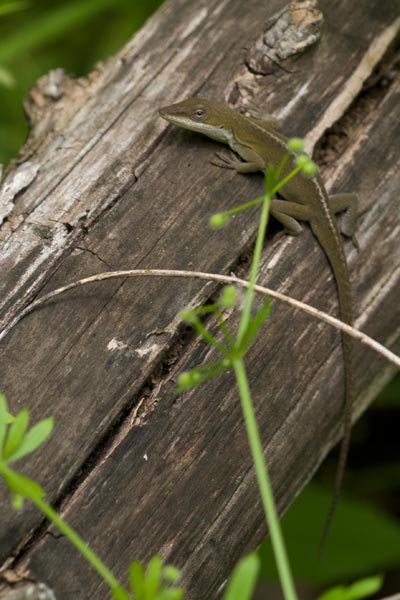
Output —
<point x="136" y="468"/>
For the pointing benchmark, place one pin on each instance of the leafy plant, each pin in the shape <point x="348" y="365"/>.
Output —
<point x="6" y="78"/>
<point x="49" y="26"/>
<point x="39" y="35"/>
<point x="363" y="540"/>
<point x="16" y="442"/>
<point x="244" y="578"/>
<point x="356" y="591"/>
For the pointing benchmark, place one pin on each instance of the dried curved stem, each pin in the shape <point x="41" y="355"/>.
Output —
<point x="229" y="279"/>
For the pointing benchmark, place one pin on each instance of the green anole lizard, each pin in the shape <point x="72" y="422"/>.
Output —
<point x="259" y="143"/>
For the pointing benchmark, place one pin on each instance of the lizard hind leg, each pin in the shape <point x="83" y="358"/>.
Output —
<point x="289" y="214"/>
<point x="347" y="203"/>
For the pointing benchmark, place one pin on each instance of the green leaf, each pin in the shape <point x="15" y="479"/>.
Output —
<point x="171" y="574"/>
<point x="255" y="324"/>
<point x="17" y="501"/>
<point x="153" y="577"/>
<point x="33" y="439"/>
<point x="170" y="594"/>
<point x="365" y="587"/>
<point x="362" y="539"/>
<point x="136" y="579"/>
<point x="5" y="419"/>
<point x="22" y="485"/>
<point x="336" y="593"/>
<point x="50" y="26"/>
<point x="11" y="7"/>
<point x="120" y="594"/>
<point x="16" y="433"/>
<point x="356" y="591"/>
<point x="6" y="78"/>
<point x="244" y="578"/>
<point x="389" y="397"/>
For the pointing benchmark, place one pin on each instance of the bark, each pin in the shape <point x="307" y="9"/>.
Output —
<point x="102" y="184"/>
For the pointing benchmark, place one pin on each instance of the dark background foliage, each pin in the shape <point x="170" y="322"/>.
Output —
<point x="40" y="35"/>
<point x="46" y="34"/>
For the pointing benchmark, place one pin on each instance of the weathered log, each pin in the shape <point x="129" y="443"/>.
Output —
<point x="107" y="185"/>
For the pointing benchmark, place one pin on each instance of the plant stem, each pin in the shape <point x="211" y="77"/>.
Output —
<point x="77" y="541"/>
<point x="245" y="206"/>
<point x="69" y="533"/>
<point x="264" y="484"/>
<point x="225" y="330"/>
<point x="246" y="313"/>
<point x="208" y="337"/>
<point x="282" y="183"/>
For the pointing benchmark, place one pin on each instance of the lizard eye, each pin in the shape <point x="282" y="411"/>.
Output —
<point x="199" y="113"/>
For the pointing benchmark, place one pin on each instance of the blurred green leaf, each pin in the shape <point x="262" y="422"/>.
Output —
<point x="120" y="594"/>
<point x="6" y="78"/>
<point x="153" y="584"/>
<point x="17" y="501"/>
<point x="153" y="577"/>
<point x="33" y="439"/>
<point x="171" y="574"/>
<point x="49" y="26"/>
<point x="4" y="420"/>
<point x="16" y="432"/>
<point x="356" y="591"/>
<point x="362" y="539"/>
<point x="243" y="579"/>
<point x="75" y="50"/>
<point x="22" y="485"/>
<point x="380" y="479"/>
<point x="364" y="587"/>
<point x="255" y="324"/>
<point x="170" y="594"/>
<point x="11" y="7"/>
<point x="390" y="395"/>
<point x="136" y="579"/>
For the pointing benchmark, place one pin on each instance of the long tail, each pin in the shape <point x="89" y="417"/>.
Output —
<point x="345" y="443"/>
<point x="337" y="258"/>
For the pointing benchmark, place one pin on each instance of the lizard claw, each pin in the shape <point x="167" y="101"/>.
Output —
<point x="222" y="161"/>
<point x="355" y="243"/>
<point x="351" y="236"/>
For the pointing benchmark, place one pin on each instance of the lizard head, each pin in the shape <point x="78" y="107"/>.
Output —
<point x="201" y="115"/>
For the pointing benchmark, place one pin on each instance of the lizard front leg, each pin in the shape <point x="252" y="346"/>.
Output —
<point x="250" y="164"/>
